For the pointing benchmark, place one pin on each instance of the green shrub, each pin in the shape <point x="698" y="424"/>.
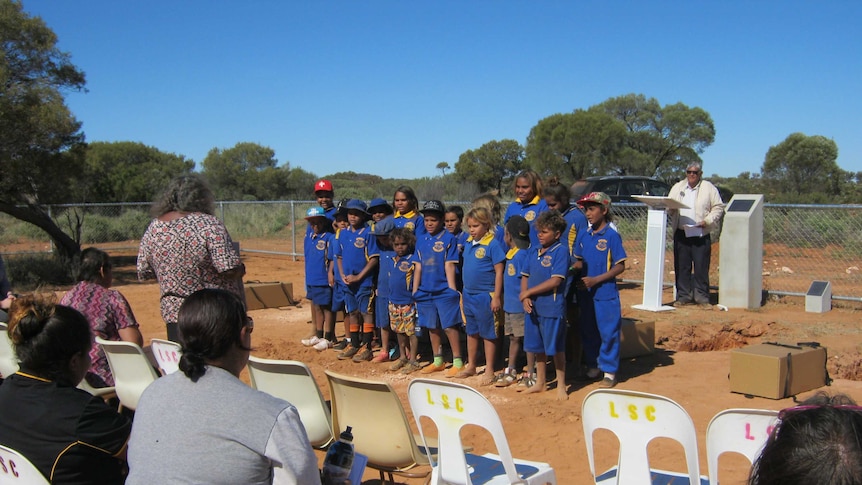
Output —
<point x="30" y="272"/>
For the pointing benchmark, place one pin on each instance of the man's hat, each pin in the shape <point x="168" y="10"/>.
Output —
<point x="519" y="230"/>
<point x="600" y="198"/>
<point x="434" y="206"/>
<point x="323" y="185"/>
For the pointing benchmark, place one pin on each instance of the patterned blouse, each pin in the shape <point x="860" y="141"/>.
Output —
<point x="107" y="311"/>
<point x="186" y="255"/>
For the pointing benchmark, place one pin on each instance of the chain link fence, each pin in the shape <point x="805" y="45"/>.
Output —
<point x="801" y="243"/>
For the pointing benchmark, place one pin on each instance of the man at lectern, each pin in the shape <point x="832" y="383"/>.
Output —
<point x="691" y="242"/>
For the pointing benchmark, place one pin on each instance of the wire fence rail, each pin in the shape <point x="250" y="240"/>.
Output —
<point x="801" y="243"/>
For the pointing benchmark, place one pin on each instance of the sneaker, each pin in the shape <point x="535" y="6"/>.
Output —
<point x="323" y="345"/>
<point x="608" y="382"/>
<point x="411" y="367"/>
<point x="398" y="364"/>
<point x="311" y="342"/>
<point x="341" y="345"/>
<point x="348" y="353"/>
<point x="453" y="371"/>
<point x="527" y="381"/>
<point x="431" y="368"/>
<point x="365" y="355"/>
<point x="381" y="357"/>
<point x="506" y="378"/>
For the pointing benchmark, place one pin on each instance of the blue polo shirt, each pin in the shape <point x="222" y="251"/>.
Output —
<point x="542" y="265"/>
<point x="330" y="256"/>
<point x="515" y="260"/>
<point x="529" y="210"/>
<point x="315" y="250"/>
<point x="355" y="248"/>
<point x="479" y="260"/>
<point x="411" y="220"/>
<point x="433" y="252"/>
<point x="600" y="250"/>
<point x="401" y="279"/>
<point x="576" y="223"/>
<point x="386" y="255"/>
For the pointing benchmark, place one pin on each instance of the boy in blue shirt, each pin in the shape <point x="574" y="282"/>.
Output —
<point x="381" y="231"/>
<point x="357" y="256"/>
<point x="437" y="299"/>
<point x="517" y="237"/>
<point x="402" y="308"/>
<point x="335" y="282"/>
<point x="317" y="289"/>
<point x="543" y="292"/>
<point x="601" y="258"/>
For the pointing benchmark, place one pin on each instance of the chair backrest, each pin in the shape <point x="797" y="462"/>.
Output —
<point x="167" y="355"/>
<point x="636" y="418"/>
<point x="131" y="369"/>
<point x="293" y="381"/>
<point x="451" y="406"/>
<point x="380" y="427"/>
<point x="15" y="468"/>
<point x="8" y="358"/>
<point x="743" y="431"/>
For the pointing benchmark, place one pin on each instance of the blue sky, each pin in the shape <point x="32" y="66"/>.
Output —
<point x="395" y="87"/>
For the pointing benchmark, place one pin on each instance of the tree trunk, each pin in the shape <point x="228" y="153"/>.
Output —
<point x="66" y="247"/>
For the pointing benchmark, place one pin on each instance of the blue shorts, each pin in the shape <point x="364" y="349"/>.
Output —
<point x="337" y="297"/>
<point x="478" y="317"/>
<point x="381" y="311"/>
<point x="319" y="295"/>
<point x="357" y="299"/>
<point x="544" y="335"/>
<point x="440" y="309"/>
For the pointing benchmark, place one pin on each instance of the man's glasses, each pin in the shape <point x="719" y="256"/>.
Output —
<point x="692" y="171"/>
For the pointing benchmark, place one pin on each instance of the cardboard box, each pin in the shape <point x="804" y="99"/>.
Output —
<point x="251" y="301"/>
<point x="776" y="371"/>
<point x="637" y="337"/>
<point x="272" y="295"/>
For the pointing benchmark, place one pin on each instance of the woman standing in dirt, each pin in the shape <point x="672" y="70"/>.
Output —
<point x="186" y="248"/>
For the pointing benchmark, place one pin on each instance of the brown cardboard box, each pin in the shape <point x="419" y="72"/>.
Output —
<point x="251" y="301"/>
<point x="637" y="337"/>
<point x="776" y="371"/>
<point x="272" y="295"/>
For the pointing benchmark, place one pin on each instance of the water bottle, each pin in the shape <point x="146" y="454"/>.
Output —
<point x="339" y="460"/>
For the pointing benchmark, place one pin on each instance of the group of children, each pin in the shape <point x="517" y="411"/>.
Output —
<point x="403" y="271"/>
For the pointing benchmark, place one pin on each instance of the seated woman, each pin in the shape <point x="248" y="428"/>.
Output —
<point x="70" y="435"/>
<point x="819" y="442"/>
<point x="109" y="313"/>
<point x="204" y="425"/>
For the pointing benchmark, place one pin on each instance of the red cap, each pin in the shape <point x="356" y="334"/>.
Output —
<point x="324" y="185"/>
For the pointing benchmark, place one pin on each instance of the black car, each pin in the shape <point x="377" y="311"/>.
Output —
<point x="621" y="188"/>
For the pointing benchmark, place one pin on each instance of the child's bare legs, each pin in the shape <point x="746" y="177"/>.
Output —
<point x="367" y="329"/>
<point x="490" y="357"/>
<point x="472" y="352"/>
<point x="414" y="348"/>
<point x="531" y="363"/>
<point x="541" y="373"/>
<point x="436" y="337"/>
<point x="328" y="324"/>
<point x="514" y="350"/>
<point x="560" y="364"/>
<point x="385" y="336"/>
<point x="455" y="344"/>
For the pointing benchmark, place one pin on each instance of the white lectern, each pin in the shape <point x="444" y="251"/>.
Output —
<point x="655" y="249"/>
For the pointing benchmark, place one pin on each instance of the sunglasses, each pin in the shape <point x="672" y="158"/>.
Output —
<point x="796" y="409"/>
<point x="692" y="171"/>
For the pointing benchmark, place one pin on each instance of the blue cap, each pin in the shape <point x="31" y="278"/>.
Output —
<point x="384" y="226"/>
<point x="379" y="202"/>
<point x="315" y="212"/>
<point x="356" y="204"/>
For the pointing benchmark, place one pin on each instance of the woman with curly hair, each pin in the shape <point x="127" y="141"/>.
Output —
<point x="70" y="435"/>
<point x="186" y="248"/>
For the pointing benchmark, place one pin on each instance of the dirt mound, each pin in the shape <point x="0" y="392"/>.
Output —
<point x="712" y="336"/>
<point x="845" y="366"/>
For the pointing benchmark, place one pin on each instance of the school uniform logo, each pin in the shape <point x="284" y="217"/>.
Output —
<point x="438" y="247"/>
<point x="602" y="245"/>
<point x="359" y="242"/>
<point x="546" y="261"/>
<point x="321" y="245"/>
<point x="510" y="269"/>
<point x="530" y="215"/>
<point x="480" y="253"/>
<point x="404" y="266"/>
<point x="409" y="225"/>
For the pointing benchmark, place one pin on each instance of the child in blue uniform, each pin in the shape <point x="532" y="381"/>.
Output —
<point x="517" y="236"/>
<point x="317" y="289"/>
<point x="543" y="291"/>
<point x="452" y="222"/>
<point x="528" y="202"/>
<point x="437" y="299"/>
<point x="357" y="257"/>
<point x="406" y="210"/>
<point x="601" y="258"/>
<point x="492" y="204"/>
<point x="402" y="308"/>
<point x="335" y="281"/>
<point x="483" y="293"/>
<point x="381" y="231"/>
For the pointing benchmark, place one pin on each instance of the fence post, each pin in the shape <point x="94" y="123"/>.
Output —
<point x="293" y="227"/>
<point x="221" y="208"/>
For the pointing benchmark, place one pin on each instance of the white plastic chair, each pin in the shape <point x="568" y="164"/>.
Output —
<point x="293" y="381"/>
<point x="167" y="355"/>
<point x="743" y="431"/>
<point x="635" y="418"/>
<point x="452" y="406"/>
<point x="8" y="358"/>
<point x="15" y="468"/>
<point x="105" y="393"/>
<point x="131" y="369"/>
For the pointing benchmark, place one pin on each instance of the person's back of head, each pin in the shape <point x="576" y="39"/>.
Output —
<point x="210" y="323"/>
<point x="186" y="193"/>
<point x="48" y="337"/>
<point x="94" y="264"/>
<point x="818" y="442"/>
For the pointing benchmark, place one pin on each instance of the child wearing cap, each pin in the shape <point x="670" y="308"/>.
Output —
<point x="335" y="281"/>
<point x="357" y="256"/>
<point x="317" y="289"/>
<point x="543" y="297"/>
<point x="437" y="299"/>
<point x="601" y="258"/>
<point x="325" y="196"/>
<point x="381" y="232"/>
<point x="379" y="210"/>
<point x="402" y="308"/>
<point x="517" y="236"/>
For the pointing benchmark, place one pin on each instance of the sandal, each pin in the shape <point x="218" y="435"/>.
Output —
<point x="466" y="372"/>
